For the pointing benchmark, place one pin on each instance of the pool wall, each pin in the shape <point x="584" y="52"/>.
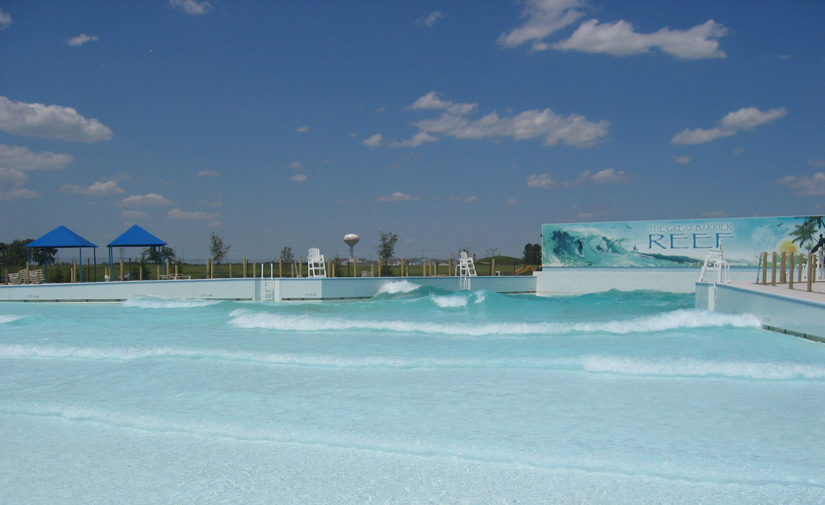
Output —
<point x="249" y="289"/>
<point x="800" y="314"/>
<point x="572" y="280"/>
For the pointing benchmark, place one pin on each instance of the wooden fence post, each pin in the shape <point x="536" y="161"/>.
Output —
<point x="811" y="271"/>
<point x="790" y="271"/>
<point x="773" y="269"/>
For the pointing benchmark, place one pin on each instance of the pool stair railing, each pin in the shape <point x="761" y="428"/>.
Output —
<point x="466" y="269"/>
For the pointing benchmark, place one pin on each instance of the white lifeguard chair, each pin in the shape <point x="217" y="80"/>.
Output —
<point x="465" y="269"/>
<point x="715" y="264"/>
<point x="315" y="263"/>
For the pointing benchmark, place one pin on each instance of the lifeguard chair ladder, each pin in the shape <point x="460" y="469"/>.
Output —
<point x="465" y="269"/>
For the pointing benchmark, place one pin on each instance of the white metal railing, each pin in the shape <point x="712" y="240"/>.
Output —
<point x="268" y="284"/>
<point x="715" y="264"/>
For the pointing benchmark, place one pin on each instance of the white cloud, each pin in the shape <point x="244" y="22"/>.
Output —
<point x="188" y="215"/>
<point x="192" y="6"/>
<point x="804" y="185"/>
<point x="543" y="18"/>
<point x="746" y="118"/>
<point x="148" y="200"/>
<point x="619" y="39"/>
<point x="134" y="214"/>
<point x="296" y="164"/>
<point x="684" y="160"/>
<point x="100" y="188"/>
<point x="51" y="121"/>
<point x="11" y="185"/>
<point x="373" y="141"/>
<point x="606" y="176"/>
<point x="298" y="178"/>
<point x="5" y="20"/>
<point x="21" y="158"/>
<point x="512" y="201"/>
<point x="302" y="129"/>
<point x="430" y="20"/>
<point x="573" y="130"/>
<point x="207" y="173"/>
<point x="397" y="197"/>
<point x="81" y="39"/>
<point x="817" y="163"/>
<point x="749" y="118"/>
<point x="544" y="181"/>
<point x="432" y="101"/>
<point x="700" y="135"/>
<point x="418" y="139"/>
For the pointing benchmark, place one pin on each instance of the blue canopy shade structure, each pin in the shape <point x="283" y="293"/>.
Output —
<point x="62" y="237"/>
<point x="134" y="237"/>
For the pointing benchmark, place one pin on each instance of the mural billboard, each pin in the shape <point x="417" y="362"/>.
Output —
<point x="679" y="243"/>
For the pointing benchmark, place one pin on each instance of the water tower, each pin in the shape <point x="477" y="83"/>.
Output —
<point x="351" y="239"/>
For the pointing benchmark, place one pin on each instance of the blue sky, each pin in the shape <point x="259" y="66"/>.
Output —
<point x="451" y="123"/>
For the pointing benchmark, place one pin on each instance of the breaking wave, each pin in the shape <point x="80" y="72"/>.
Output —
<point x="162" y="303"/>
<point x="679" y="319"/>
<point x="9" y="318"/>
<point x="592" y="363"/>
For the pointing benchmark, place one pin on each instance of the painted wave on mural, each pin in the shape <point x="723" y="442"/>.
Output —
<point x="593" y="247"/>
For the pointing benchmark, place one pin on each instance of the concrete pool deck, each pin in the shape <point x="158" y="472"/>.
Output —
<point x="779" y="308"/>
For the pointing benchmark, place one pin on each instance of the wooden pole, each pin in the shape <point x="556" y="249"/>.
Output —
<point x="764" y="268"/>
<point x="168" y="268"/>
<point x="121" y="269"/>
<point x="799" y="275"/>
<point x="773" y="269"/>
<point x="208" y="267"/>
<point x="783" y="266"/>
<point x="230" y="270"/>
<point x="790" y="271"/>
<point x="140" y="273"/>
<point x="379" y="267"/>
<point x="811" y="271"/>
<point x="244" y="268"/>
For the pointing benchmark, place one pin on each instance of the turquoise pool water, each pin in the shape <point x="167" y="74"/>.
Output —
<point x="416" y="396"/>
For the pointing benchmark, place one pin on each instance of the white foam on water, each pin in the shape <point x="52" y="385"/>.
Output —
<point x="450" y="301"/>
<point x="623" y="365"/>
<point x="161" y="303"/>
<point x="396" y="287"/>
<point x="9" y="318"/>
<point x="679" y="319"/>
<point x="691" y="367"/>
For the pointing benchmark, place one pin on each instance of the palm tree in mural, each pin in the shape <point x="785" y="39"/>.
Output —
<point x="805" y="232"/>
